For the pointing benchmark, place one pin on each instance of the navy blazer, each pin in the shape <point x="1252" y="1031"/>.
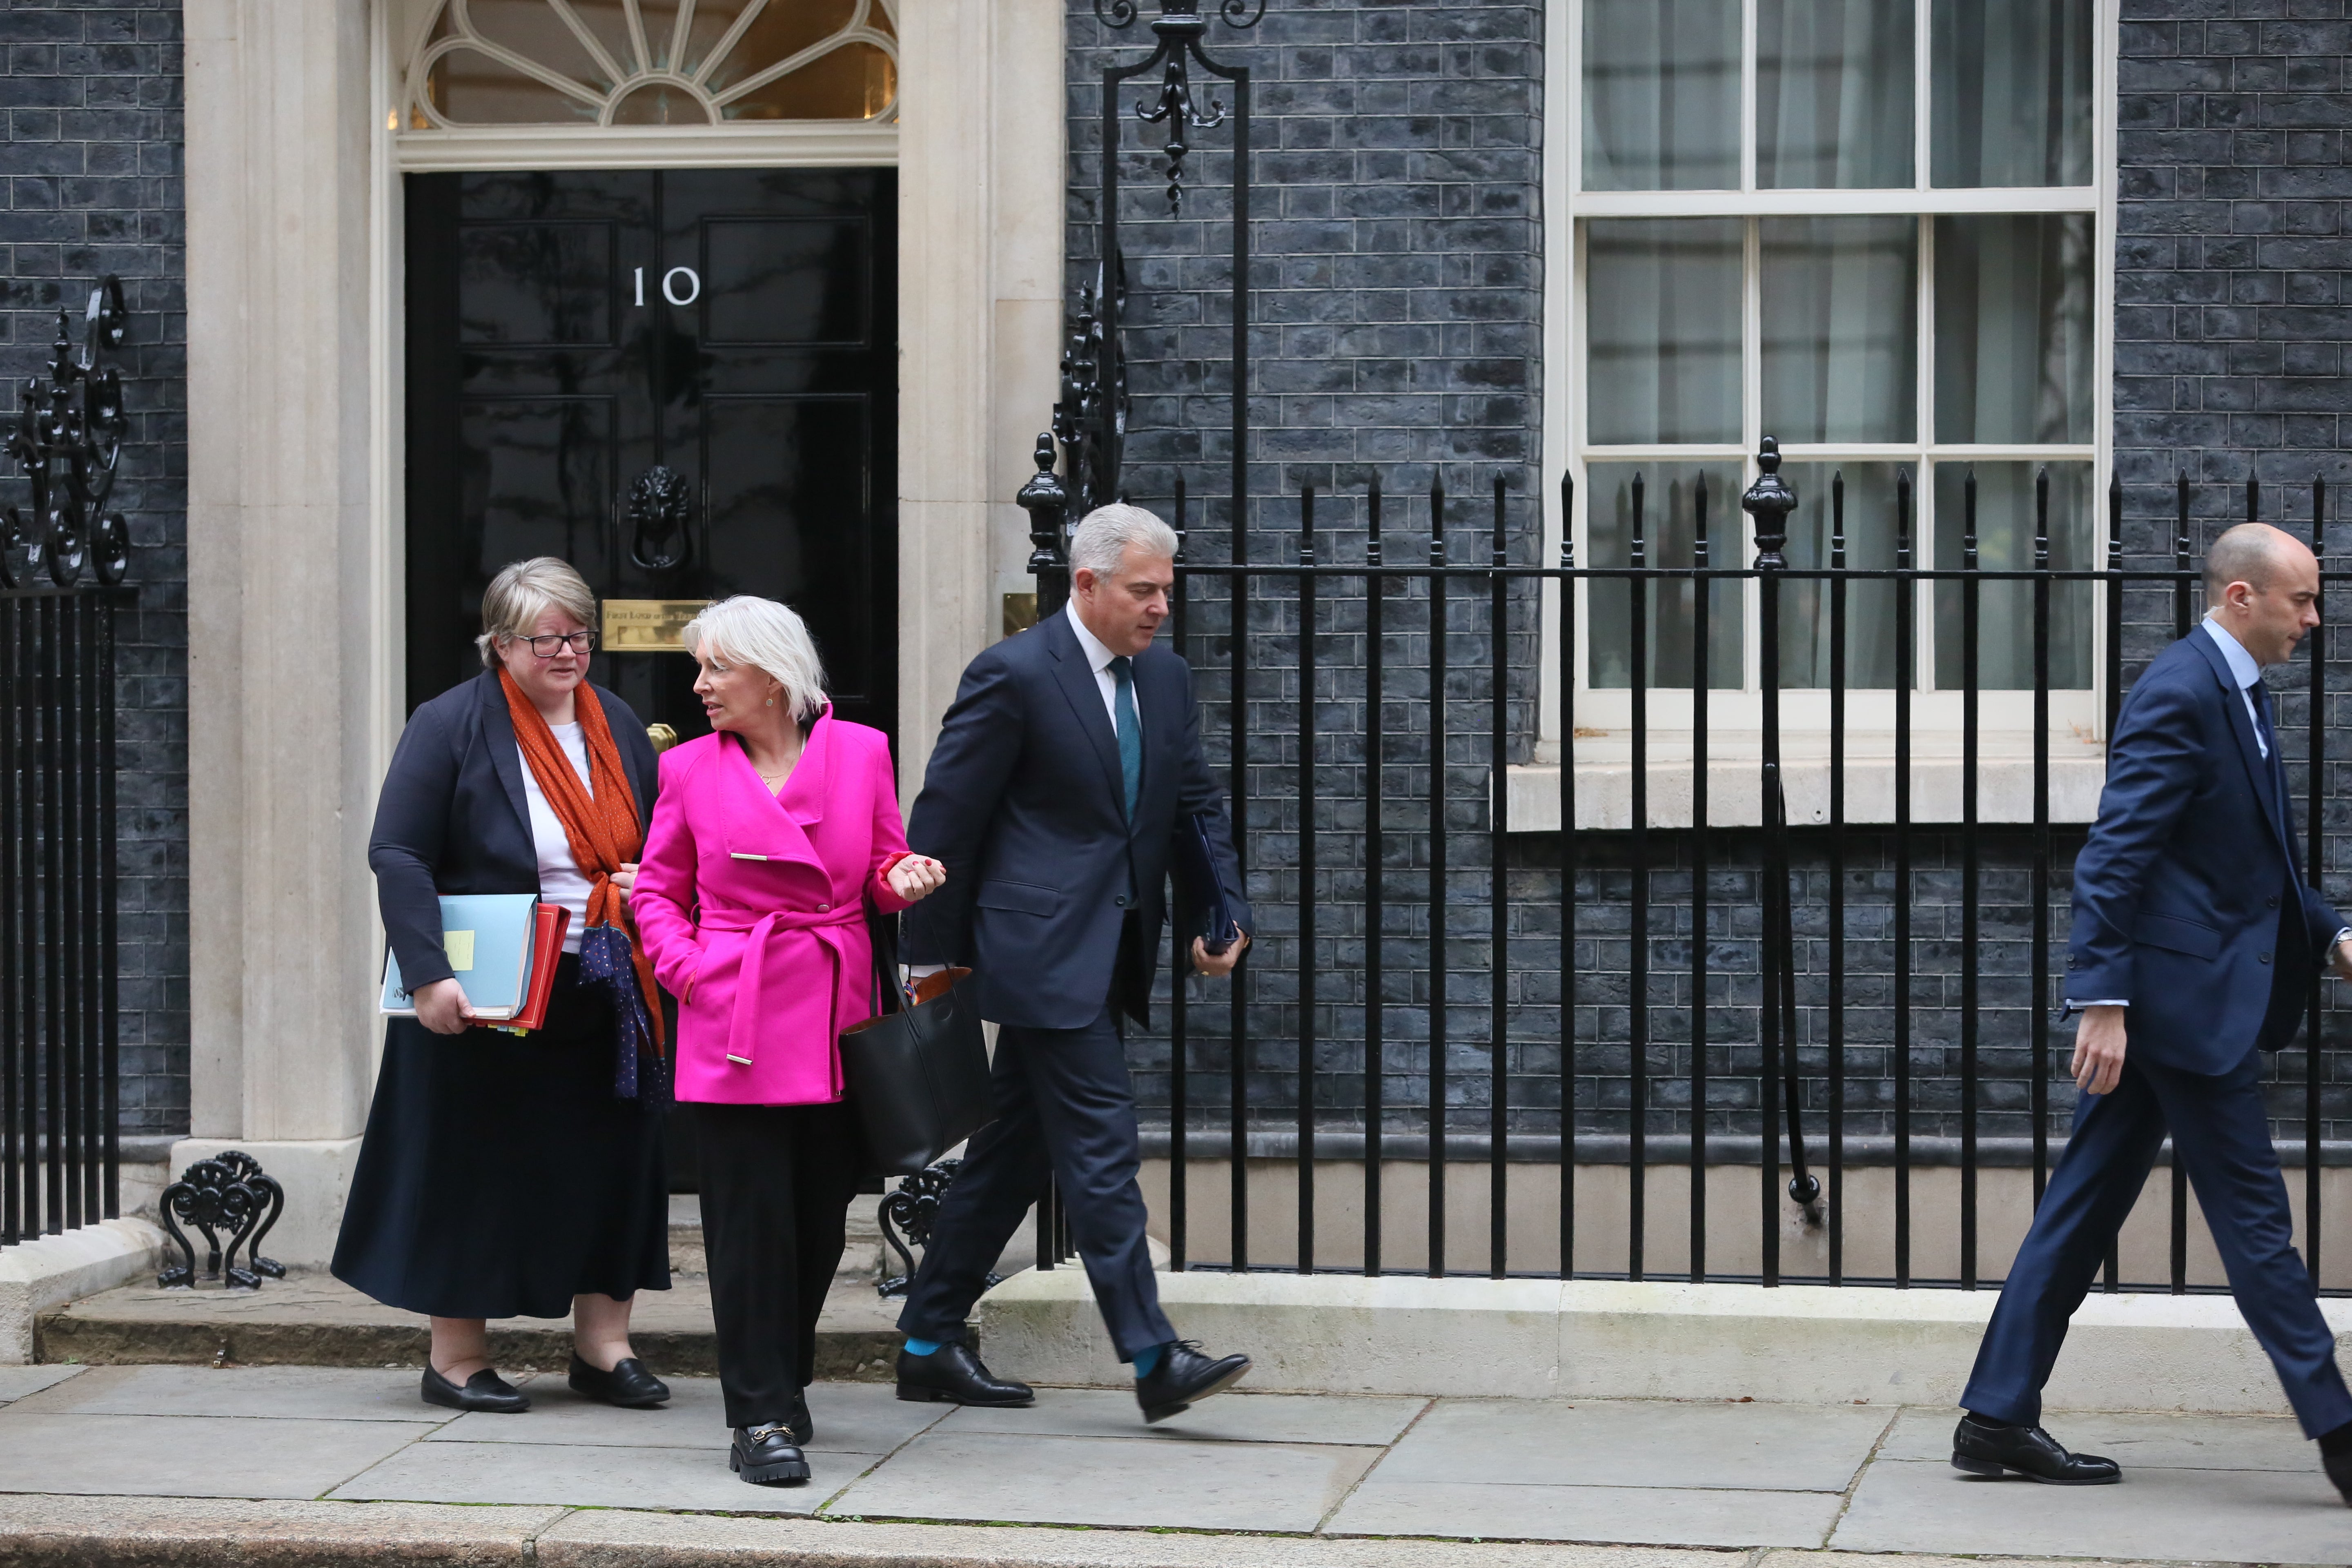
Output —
<point x="2177" y="892"/>
<point x="453" y="817"/>
<point x="1024" y="804"/>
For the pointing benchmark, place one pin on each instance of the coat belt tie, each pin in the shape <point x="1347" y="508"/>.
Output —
<point x="829" y="927"/>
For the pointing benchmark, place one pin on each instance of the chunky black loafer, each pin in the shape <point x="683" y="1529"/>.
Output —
<point x="1983" y="1448"/>
<point x="486" y="1391"/>
<point x="628" y="1385"/>
<point x="766" y="1456"/>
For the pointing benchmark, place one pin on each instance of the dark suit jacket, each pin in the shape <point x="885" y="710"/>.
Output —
<point x="1024" y="804"/>
<point x="2178" y="894"/>
<point x="452" y="817"/>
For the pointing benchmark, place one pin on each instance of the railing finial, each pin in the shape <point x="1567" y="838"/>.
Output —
<point x="1770" y="501"/>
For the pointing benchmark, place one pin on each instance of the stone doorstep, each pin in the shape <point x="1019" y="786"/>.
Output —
<point x="1335" y="1333"/>
<point x="40" y="1275"/>
<point x="45" y="1532"/>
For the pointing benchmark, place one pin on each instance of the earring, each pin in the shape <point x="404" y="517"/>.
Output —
<point x="771" y="702"/>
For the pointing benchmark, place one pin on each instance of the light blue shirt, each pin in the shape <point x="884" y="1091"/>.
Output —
<point x="2245" y="672"/>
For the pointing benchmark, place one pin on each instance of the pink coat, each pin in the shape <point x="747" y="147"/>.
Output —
<point x="752" y="908"/>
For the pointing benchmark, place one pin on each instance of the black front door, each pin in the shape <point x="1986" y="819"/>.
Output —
<point x="718" y="346"/>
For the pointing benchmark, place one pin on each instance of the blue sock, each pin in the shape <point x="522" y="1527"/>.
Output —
<point x="1147" y="1360"/>
<point x="921" y="1347"/>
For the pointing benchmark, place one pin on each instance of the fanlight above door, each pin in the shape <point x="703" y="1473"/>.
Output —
<point x="652" y="62"/>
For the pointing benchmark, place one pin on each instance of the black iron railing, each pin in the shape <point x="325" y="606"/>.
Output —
<point x="59" y="1152"/>
<point x="1367" y="712"/>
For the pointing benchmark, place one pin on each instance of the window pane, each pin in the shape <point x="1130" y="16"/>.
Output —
<point x="1661" y="95"/>
<point x="1832" y="93"/>
<point x="2014" y="328"/>
<point x="1662" y="311"/>
<point x="1841" y="329"/>
<point x="2011" y="91"/>
<point x="1670" y="524"/>
<point x="1870" y="528"/>
<point x="2004" y="525"/>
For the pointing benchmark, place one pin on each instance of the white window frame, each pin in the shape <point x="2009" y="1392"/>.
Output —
<point x="2077" y="718"/>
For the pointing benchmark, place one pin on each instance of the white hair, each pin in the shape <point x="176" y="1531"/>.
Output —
<point x="769" y="638"/>
<point x="523" y="592"/>
<point x="1098" y="544"/>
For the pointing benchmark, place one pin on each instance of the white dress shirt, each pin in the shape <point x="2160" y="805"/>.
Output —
<point x="1098" y="658"/>
<point x="560" y="881"/>
<point x="2245" y="671"/>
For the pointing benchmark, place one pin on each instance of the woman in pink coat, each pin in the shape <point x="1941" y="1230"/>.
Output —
<point x="770" y="837"/>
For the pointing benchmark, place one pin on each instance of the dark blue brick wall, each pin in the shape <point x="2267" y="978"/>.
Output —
<point x="90" y="183"/>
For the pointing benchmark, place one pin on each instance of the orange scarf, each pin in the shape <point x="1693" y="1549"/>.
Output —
<point x="600" y="818"/>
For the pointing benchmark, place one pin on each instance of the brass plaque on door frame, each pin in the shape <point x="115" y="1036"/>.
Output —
<point x="648" y="625"/>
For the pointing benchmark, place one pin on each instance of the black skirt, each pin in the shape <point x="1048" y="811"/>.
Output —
<point x="500" y="1177"/>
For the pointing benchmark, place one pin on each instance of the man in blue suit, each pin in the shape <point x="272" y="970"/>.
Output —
<point x="2193" y="946"/>
<point x="1065" y="772"/>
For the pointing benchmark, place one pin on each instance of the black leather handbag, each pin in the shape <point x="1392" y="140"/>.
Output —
<point x="917" y="1073"/>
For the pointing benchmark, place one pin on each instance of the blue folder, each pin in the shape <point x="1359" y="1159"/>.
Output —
<point x="488" y="938"/>
<point x="1203" y="891"/>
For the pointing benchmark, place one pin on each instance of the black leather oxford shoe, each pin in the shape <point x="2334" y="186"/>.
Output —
<point x="1183" y="1378"/>
<point x="628" y="1385"/>
<point x="1984" y="1449"/>
<point x="951" y="1374"/>
<point x="485" y="1391"/>
<point x="766" y="1456"/>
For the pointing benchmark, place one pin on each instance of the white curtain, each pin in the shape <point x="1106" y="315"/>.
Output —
<point x="2013" y="337"/>
<point x="2009" y="94"/>
<point x="1661" y="95"/>
<point x="1841" y="329"/>
<point x="1662" y="336"/>
<point x="1833" y="94"/>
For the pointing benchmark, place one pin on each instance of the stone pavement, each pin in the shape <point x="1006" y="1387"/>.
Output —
<point x="331" y="1451"/>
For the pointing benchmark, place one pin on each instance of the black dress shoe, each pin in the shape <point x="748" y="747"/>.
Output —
<point x="628" y="1385"/>
<point x="951" y="1374"/>
<point x="2339" y="1470"/>
<point x="766" y="1456"/>
<point x="1984" y="1449"/>
<point x="1183" y="1378"/>
<point x="485" y="1391"/>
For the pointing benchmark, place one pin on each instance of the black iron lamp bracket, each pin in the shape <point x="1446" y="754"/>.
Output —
<point x="68" y="442"/>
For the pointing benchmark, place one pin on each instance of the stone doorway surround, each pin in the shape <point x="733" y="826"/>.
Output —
<point x="294" y="484"/>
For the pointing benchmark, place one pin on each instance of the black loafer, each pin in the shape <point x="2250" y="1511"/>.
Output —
<point x="628" y="1385"/>
<point x="485" y="1391"/>
<point x="1986" y="1448"/>
<point x="766" y="1456"/>
<point x="1183" y="1378"/>
<point x="951" y="1374"/>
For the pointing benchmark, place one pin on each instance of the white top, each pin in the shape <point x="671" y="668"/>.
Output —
<point x="2244" y="671"/>
<point x="1098" y="658"/>
<point x="560" y="881"/>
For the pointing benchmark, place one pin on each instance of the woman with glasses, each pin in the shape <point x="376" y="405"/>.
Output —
<point x="511" y="1175"/>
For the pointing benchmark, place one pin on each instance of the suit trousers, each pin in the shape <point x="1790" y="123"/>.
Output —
<point x="2221" y="1132"/>
<point x="1064" y="1106"/>
<point x="776" y="1183"/>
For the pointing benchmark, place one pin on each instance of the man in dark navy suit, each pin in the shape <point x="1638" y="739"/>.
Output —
<point x="1067" y="768"/>
<point x="2193" y="946"/>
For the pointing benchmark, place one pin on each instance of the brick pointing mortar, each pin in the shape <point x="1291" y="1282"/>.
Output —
<point x="91" y="161"/>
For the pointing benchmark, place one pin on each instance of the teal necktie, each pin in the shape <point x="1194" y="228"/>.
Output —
<point x="1130" y="731"/>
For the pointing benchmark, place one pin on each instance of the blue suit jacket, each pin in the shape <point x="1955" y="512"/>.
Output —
<point x="1024" y="802"/>
<point x="2177" y="892"/>
<point x="453" y="817"/>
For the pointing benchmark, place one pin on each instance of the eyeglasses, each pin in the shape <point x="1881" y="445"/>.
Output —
<point x="554" y="643"/>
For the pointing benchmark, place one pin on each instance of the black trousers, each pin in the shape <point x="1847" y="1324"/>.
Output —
<point x="1063" y="1104"/>
<point x="776" y="1183"/>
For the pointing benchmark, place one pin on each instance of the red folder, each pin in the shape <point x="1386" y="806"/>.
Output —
<point x="546" y="952"/>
